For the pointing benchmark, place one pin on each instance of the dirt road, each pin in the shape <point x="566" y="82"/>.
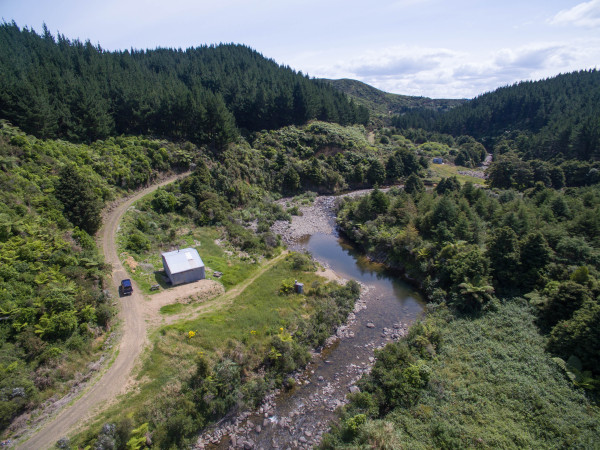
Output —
<point x="133" y="339"/>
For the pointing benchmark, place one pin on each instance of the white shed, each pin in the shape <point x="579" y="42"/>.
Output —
<point x="183" y="266"/>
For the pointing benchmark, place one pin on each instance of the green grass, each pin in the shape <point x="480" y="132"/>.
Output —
<point x="258" y="308"/>
<point x="175" y="308"/>
<point x="235" y="269"/>
<point x="439" y="171"/>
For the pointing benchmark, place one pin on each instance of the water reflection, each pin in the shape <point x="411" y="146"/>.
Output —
<point x="351" y="264"/>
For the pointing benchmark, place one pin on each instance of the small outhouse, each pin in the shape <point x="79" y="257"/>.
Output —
<point x="183" y="266"/>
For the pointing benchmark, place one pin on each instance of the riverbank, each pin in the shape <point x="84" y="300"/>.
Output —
<point x="298" y="418"/>
<point x="316" y="218"/>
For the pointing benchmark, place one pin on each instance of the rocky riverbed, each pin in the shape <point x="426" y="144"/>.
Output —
<point x="316" y="218"/>
<point x="298" y="418"/>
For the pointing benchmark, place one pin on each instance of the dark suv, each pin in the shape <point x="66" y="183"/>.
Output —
<point x="126" y="288"/>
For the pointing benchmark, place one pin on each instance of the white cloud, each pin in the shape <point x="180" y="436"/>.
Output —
<point x="398" y="61"/>
<point x="585" y="14"/>
<point x="445" y="73"/>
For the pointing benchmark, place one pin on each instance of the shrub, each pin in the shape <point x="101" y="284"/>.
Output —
<point x="137" y="242"/>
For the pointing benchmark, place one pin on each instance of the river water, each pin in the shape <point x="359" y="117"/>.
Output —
<point x="298" y="418"/>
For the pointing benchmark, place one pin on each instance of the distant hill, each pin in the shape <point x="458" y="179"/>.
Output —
<point x="380" y="103"/>
<point x="556" y="118"/>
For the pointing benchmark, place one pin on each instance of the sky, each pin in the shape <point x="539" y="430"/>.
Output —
<point x="431" y="48"/>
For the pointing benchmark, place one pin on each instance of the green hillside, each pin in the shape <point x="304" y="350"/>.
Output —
<point x="380" y="103"/>
<point x="57" y="88"/>
<point x="507" y="351"/>
<point x="548" y="119"/>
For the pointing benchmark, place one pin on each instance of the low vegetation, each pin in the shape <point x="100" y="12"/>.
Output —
<point x="483" y="381"/>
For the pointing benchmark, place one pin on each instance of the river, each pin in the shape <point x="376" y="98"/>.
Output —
<point x="298" y="418"/>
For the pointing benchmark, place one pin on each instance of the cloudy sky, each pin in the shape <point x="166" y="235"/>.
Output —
<point x="434" y="48"/>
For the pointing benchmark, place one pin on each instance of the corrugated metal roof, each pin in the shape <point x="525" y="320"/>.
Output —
<point x="183" y="260"/>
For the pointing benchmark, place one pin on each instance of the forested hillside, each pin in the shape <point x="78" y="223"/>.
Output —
<point x="383" y="103"/>
<point x="549" y="119"/>
<point x="53" y="87"/>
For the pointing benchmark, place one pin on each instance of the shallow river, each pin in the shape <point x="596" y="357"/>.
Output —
<point x="298" y="418"/>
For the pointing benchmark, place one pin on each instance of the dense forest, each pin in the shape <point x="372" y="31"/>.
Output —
<point x="56" y="88"/>
<point x="552" y="119"/>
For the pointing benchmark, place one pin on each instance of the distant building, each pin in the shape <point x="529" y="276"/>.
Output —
<point x="438" y="160"/>
<point x="183" y="266"/>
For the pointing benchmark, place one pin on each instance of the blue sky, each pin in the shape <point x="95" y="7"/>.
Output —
<point x="434" y="48"/>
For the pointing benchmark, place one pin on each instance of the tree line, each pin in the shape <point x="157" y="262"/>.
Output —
<point x="553" y="118"/>
<point x="54" y="87"/>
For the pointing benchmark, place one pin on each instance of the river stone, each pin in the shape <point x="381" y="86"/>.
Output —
<point x="354" y="389"/>
<point x="370" y="325"/>
<point x="258" y="428"/>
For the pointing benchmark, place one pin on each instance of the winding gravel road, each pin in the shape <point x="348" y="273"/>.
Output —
<point x="114" y="381"/>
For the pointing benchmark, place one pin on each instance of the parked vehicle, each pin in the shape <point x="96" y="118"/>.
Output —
<point x="126" y="288"/>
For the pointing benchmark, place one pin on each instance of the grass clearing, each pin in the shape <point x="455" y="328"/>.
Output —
<point x="257" y="313"/>
<point x="439" y="171"/>
<point x="147" y="270"/>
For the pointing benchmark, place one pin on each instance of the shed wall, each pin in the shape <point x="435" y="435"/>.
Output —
<point x="188" y="276"/>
